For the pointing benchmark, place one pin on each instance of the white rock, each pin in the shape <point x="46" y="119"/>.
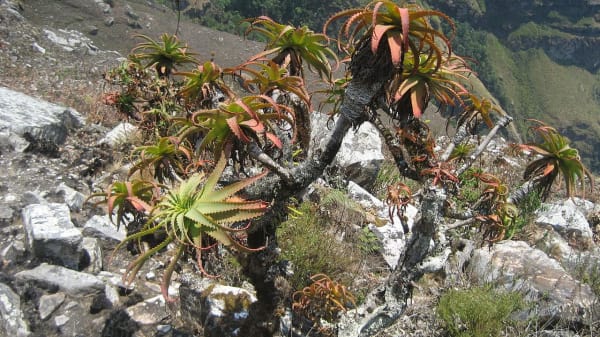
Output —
<point x="102" y="228"/>
<point x="149" y="312"/>
<point x="112" y="295"/>
<point x="61" y="320"/>
<point x="13" y="251"/>
<point x="51" y="234"/>
<point x="516" y="266"/>
<point x="114" y="280"/>
<point x="38" y="48"/>
<point x="391" y="235"/>
<point x="12" y="321"/>
<point x="567" y="220"/>
<point x="12" y="141"/>
<point x="74" y="199"/>
<point x="49" y="303"/>
<point x="150" y="276"/>
<point x="118" y="134"/>
<point x="71" y="282"/>
<point x="225" y="308"/>
<point x="41" y="120"/>
<point x="92" y="248"/>
<point x="360" y="154"/>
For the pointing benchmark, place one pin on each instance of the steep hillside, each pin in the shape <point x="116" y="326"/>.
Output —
<point x="540" y="58"/>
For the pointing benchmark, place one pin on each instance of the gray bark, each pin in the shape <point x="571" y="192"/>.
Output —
<point x="460" y="135"/>
<point x="501" y="123"/>
<point x="398" y="288"/>
<point x="261" y="267"/>
<point x="519" y="194"/>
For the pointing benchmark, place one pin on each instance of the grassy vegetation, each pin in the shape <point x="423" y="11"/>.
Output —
<point x="388" y="175"/>
<point x="527" y="207"/>
<point x="311" y="244"/>
<point x="588" y="271"/>
<point x="477" y="312"/>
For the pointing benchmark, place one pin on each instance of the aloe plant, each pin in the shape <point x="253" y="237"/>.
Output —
<point x="165" y="55"/>
<point x="193" y="211"/>
<point x="557" y="158"/>
<point x="129" y="197"/>
<point x="400" y="43"/>
<point x="203" y="86"/>
<point x="292" y="46"/>
<point x="245" y="120"/>
<point x="264" y="78"/>
<point x="166" y="159"/>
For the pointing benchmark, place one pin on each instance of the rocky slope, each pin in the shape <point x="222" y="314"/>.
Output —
<point x="57" y="277"/>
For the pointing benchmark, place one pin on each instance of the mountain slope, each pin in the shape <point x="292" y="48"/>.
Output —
<point x="540" y="59"/>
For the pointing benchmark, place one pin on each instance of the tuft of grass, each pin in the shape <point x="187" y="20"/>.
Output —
<point x="388" y="175"/>
<point x="588" y="271"/>
<point x="478" y="312"/>
<point x="313" y="248"/>
<point x="369" y="242"/>
<point x="527" y="207"/>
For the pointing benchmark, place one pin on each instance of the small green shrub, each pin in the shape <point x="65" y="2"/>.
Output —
<point x="477" y="312"/>
<point x="588" y="272"/>
<point x="311" y="245"/>
<point x="527" y="207"/>
<point x="388" y="175"/>
<point x="368" y="242"/>
<point x="470" y="189"/>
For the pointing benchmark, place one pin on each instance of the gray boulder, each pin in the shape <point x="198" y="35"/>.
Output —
<point x="51" y="234"/>
<point x="220" y="310"/>
<point x="516" y="266"/>
<point x="12" y="322"/>
<point x="71" y="282"/>
<point x="36" y="120"/>
<point x="49" y="303"/>
<point x="10" y="141"/>
<point x="74" y="199"/>
<point x="567" y="219"/>
<point x="390" y="233"/>
<point x="149" y="312"/>
<point x="575" y="261"/>
<point x="71" y="40"/>
<point x="92" y="255"/>
<point x="224" y="310"/>
<point x="13" y="252"/>
<point x="102" y="228"/>
<point x="360" y="154"/>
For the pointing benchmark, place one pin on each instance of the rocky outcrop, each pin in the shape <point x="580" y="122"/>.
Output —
<point x="13" y="323"/>
<point x="567" y="220"/>
<point x="360" y="155"/>
<point x="52" y="235"/>
<point x="40" y="123"/>
<point x="391" y="233"/>
<point x="219" y="310"/>
<point x="515" y="266"/>
<point x="101" y="227"/>
<point x="70" y="281"/>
